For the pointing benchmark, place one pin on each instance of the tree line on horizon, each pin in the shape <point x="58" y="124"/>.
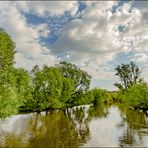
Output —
<point x="61" y="86"/>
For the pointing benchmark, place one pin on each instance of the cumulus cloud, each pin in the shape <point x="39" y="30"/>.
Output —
<point x="140" y="57"/>
<point x="98" y="30"/>
<point x="27" y="37"/>
<point x="92" y="40"/>
<point x="101" y="33"/>
<point x="30" y="50"/>
<point x="87" y="40"/>
<point x="45" y="8"/>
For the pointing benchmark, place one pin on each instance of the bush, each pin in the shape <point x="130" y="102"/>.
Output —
<point x="136" y="96"/>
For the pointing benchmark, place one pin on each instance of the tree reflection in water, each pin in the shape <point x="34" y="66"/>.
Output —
<point x="100" y="111"/>
<point x="74" y="127"/>
<point x="57" y="130"/>
<point x="54" y="129"/>
<point x="134" y="124"/>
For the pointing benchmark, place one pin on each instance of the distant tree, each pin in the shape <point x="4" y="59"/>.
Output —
<point x="129" y="75"/>
<point x="135" y="73"/>
<point x="35" y="69"/>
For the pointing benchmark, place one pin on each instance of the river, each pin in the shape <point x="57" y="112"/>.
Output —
<point x="82" y="126"/>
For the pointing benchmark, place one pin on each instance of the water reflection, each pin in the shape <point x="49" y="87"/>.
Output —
<point x="134" y="125"/>
<point x="98" y="112"/>
<point x="86" y="126"/>
<point x="55" y="130"/>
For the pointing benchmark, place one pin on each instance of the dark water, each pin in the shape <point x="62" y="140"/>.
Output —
<point x="77" y="127"/>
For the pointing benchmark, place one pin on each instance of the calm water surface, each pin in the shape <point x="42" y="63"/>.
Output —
<point x="81" y="126"/>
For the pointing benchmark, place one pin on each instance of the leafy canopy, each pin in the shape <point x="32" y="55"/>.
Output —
<point x="129" y="75"/>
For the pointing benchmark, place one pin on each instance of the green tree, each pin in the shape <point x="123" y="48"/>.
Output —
<point x="47" y="87"/>
<point x="67" y="89"/>
<point x="24" y="87"/>
<point x="14" y="82"/>
<point x="8" y="93"/>
<point x="129" y="75"/>
<point x="136" y="96"/>
<point x="14" y="89"/>
<point x="7" y="51"/>
<point x="100" y="96"/>
<point x="50" y="88"/>
<point x="80" y="78"/>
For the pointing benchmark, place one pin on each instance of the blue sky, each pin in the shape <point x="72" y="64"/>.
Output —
<point x="95" y="35"/>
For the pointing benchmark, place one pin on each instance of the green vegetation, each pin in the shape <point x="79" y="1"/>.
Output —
<point x="100" y="96"/>
<point x="11" y="82"/>
<point x="133" y="91"/>
<point x="136" y="96"/>
<point x="60" y="86"/>
<point x="64" y="85"/>
<point x="129" y="75"/>
<point x="7" y="51"/>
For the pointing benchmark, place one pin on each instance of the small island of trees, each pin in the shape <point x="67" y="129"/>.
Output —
<point x="61" y="86"/>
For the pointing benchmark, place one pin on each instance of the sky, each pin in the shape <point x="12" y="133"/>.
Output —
<point x="95" y="35"/>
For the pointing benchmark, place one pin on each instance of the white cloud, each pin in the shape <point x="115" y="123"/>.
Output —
<point x="145" y="72"/>
<point x="43" y="30"/>
<point x="86" y="39"/>
<point x="45" y="8"/>
<point x="95" y="39"/>
<point x="41" y="59"/>
<point x="91" y="42"/>
<point x="140" y="57"/>
<point x="29" y="50"/>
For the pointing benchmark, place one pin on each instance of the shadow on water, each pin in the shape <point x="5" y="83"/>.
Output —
<point x="78" y="126"/>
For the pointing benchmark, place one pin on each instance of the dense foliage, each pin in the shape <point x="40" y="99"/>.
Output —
<point x="136" y="96"/>
<point x="61" y="86"/>
<point x="7" y="51"/>
<point x="81" y="80"/>
<point x="9" y="77"/>
<point x="40" y="89"/>
<point x="50" y="89"/>
<point x="133" y="90"/>
<point x="129" y="75"/>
